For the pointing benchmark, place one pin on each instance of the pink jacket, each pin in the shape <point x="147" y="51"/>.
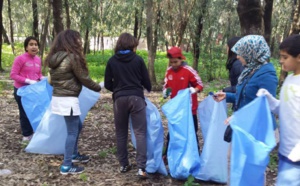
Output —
<point x="24" y="67"/>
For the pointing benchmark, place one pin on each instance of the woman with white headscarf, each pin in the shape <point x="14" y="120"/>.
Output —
<point x="254" y="53"/>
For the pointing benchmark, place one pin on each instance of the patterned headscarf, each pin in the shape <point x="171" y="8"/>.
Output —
<point x="256" y="52"/>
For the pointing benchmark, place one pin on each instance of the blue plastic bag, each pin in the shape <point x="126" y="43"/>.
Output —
<point x="183" y="155"/>
<point x="155" y="140"/>
<point x="252" y="141"/>
<point x="35" y="100"/>
<point x="51" y="132"/>
<point x="213" y="159"/>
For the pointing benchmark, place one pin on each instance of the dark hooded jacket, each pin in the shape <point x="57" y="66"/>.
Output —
<point x="126" y="75"/>
<point x="68" y="76"/>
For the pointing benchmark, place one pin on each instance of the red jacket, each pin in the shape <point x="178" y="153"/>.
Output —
<point x="184" y="77"/>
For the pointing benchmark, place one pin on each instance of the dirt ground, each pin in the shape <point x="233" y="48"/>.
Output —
<point x="97" y="139"/>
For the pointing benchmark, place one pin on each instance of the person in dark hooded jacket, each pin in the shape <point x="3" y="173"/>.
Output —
<point x="233" y="65"/>
<point x="126" y="76"/>
<point x="68" y="73"/>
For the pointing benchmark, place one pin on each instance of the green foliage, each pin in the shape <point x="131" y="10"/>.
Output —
<point x="190" y="181"/>
<point x="83" y="177"/>
<point x="103" y="154"/>
<point x="273" y="161"/>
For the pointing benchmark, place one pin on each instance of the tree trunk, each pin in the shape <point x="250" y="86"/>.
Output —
<point x="136" y="23"/>
<point x="4" y="34"/>
<point x="35" y="19"/>
<point x="68" y="20"/>
<point x="45" y="30"/>
<point x="1" y="7"/>
<point x="251" y="17"/>
<point x="295" y="29"/>
<point x="150" y="40"/>
<point x="57" y="16"/>
<point x="86" y="47"/>
<point x="268" y="20"/>
<point x="11" y="28"/>
<point x="198" y="31"/>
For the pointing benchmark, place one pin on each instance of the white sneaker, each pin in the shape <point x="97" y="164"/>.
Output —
<point x="27" y="138"/>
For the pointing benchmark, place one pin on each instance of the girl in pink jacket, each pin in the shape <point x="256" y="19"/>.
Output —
<point x="26" y="70"/>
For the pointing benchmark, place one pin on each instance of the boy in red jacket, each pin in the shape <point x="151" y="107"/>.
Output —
<point x="181" y="76"/>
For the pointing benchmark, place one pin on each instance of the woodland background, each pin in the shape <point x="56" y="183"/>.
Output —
<point x="200" y="27"/>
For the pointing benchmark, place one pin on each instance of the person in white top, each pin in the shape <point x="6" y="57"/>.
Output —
<point x="68" y="73"/>
<point x="288" y="109"/>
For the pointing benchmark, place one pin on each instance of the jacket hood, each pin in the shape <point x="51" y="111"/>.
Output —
<point x="125" y="57"/>
<point x="57" y="58"/>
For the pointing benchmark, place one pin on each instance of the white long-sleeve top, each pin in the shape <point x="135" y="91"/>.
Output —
<point x="289" y="114"/>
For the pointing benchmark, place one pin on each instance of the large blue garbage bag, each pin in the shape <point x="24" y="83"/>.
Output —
<point x="51" y="132"/>
<point x="183" y="155"/>
<point x="213" y="159"/>
<point x="35" y="99"/>
<point x="252" y="141"/>
<point x="155" y="140"/>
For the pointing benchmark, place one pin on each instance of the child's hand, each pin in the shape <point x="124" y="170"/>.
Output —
<point x="219" y="96"/>
<point x="166" y="93"/>
<point x="227" y="121"/>
<point x="192" y="90"/>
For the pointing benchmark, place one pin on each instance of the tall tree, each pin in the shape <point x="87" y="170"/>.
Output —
<point x="4" y="34"/>
<point x="268" y="20"/>
<point x="68" y="20"/>
<point x="251" y="17"/>
<point x="295" y="29"/>
<point x="196" y="38"/>
<point x="1" y="21"/>
<point x="45" y="30"/>
<point x="152" y="22"/>
<point x="11" y="27"/>
<point x="57" y="16"/>
<point x="35" y="19"/>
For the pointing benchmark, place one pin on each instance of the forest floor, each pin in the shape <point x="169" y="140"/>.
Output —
<point x="97" y="139"/>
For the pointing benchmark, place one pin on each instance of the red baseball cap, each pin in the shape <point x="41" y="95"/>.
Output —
<point x="175" y="52"/>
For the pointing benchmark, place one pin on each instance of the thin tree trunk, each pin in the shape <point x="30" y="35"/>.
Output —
<point x="45" y="30"/>
<point x="150" y="40"/>
<point x="268" y="20"/>
<point x="35" y="19"/>
<point x="4" y="34"/>
<point x="198" y="31"/>
<point x="57" y="16"/>
<point x="86" y="47"/>
<point x="68" y="20"/>
<point x="1" y="7"/>
<point x="136" y="23"/>
<point x="295" y="29"/>
<point x="11" y="28"/>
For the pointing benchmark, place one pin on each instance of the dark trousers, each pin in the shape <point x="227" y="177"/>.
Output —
<point x="135" y="108"/>
<point x="195" y="119"/>
<point x="25" y="124"/>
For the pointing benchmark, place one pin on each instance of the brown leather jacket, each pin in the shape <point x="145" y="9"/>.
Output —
<point x="67" y="76"/>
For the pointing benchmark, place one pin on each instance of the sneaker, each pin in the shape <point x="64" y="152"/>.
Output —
<point x="142" y="174"/>
<point x="71" y="170"/>
<point x="80" y="158"/>
<point x="125" y="168"/>
<point x="27" y="138"/>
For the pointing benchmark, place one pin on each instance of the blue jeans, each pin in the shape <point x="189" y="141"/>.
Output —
<point x="25" y="124"/>
<point x="288" y="173"/>
<point x="74" y="127"/>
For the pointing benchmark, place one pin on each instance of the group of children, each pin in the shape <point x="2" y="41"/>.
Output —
<point x="126" y="76"/>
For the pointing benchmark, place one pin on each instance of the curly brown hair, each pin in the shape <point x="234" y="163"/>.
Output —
<point x="70" y="42"/>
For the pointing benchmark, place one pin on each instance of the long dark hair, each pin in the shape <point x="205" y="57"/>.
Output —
<point x="231" y="56"/>
<point x="126" y="41"/>
<point x="70" y="42"/>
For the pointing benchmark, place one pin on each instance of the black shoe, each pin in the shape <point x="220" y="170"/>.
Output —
<point x="125" y="168"/>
